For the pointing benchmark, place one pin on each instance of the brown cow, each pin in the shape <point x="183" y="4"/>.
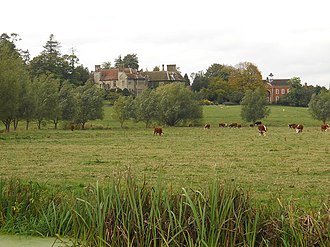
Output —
<point x="158" y="131"/>
<point x="292" y="126"/>
<point x="233" y="125"/>
<point x="299" y="128"/>
<point x="324" y="127"/>
<point x="222" y="125"/>
<point x="262" y="129"/>
<point x="207" y="126"/>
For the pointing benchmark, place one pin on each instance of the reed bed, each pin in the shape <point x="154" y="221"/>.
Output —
<point x="124" y="213"/>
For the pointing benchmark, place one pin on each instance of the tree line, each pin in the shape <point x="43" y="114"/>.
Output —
<point x="55" y="87"/>
<point x="170" y="104"/>
<point x="225" y="84"/>
<point x="50" y="87"/>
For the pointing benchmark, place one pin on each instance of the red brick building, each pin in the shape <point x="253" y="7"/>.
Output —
<point x="276" y="88"/>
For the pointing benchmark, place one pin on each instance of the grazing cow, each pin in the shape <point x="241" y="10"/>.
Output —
<point x="292" y="126"/>
<point x="239" y="125"/>
<point x="262" y="129"/>
<point x="257" y="123"/>
<point x="233" y="125"/>
<point x="207" y="126"/>
<point x="299" y="128"/>
<point x="222" y="125"/>
<point x="324" y="127"/>
<point x="158" y="131"/>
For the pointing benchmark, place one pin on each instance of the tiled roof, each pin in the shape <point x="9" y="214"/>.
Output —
<point x="159" y="76"/>
<point x="133" y="74"/>
<point x="109" y="75"/>
<point x="278" y="82"/>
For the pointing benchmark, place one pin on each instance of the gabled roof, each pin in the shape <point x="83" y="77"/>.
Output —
<point x="161" y="76"/>
<point x="278" y="82"/>
<point x="109" y="75"/>
<point x="133" y="74"/>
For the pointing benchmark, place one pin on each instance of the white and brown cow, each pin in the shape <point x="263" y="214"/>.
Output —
<point x="158" y="131"/>
<point x="292" y="126"/>
<point x="299" y="128"/>
<point x="262" y="129"/>
<point x="207" y="126"/>
<point x="324" y="127"/>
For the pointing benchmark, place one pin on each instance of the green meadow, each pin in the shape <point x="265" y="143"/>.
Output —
<point x="282" y="165"/>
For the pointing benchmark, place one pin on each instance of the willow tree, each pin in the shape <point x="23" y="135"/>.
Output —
<point x="254" y="105"/>
<point x="319" y="106"/>
<point x="13" y="75"/>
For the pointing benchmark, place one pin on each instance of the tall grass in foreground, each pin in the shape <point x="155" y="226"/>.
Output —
<point x="123" y="213"/>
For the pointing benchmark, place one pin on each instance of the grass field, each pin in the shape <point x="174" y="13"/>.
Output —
<point x="281" y="165"/>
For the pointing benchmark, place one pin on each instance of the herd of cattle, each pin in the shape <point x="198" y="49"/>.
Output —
<point x="262" y="129"/>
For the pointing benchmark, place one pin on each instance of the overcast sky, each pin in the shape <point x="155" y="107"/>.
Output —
<point x="289" y="38"/>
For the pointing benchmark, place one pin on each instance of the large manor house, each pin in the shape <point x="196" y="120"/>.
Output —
<point x="136" y="81"/>
<point x="133" y="80"/>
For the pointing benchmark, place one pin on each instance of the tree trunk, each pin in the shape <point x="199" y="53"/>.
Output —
<point x="55" y="123"/>
<point x="7" y="124"/>
<point x="39" y="123"/>
<point x="83" y="126"/>
<point x="15" y="123"/>
<point x="27" y="124"/>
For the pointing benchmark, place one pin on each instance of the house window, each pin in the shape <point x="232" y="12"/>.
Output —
<point x="277" y="98"/>
<point x="114" y="84"/>
<point x="283" y="91"/>
<point x="277" y="91"/>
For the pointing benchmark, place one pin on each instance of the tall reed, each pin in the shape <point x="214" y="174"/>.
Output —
<point x="124" y="213"/>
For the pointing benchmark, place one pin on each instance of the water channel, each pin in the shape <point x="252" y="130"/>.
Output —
<point x="27" y="241"/>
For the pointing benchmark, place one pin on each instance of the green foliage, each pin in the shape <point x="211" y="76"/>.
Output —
<point x="176" y="103"/>
<point x="129" y="61"/>
<point x="124" y="213"/>
<point x="13" y="75"/>
<point x="89" y="104"/>
<point x="50" y="61"/>
<point x="146" y="106"/>
<point x="219" y="71"/>
<point x="319" y="106"/>
<point x="67" y="102"/>
<point x="299" y="95"/>
<point x="123" y="109"/>
<point x="254" y="105"/>
<point x="47" y="93"/>
<point x="199" y="82"/>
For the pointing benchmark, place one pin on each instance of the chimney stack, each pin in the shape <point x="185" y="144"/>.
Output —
<point x="163" y="67"/>
<point x="97" y="68"/>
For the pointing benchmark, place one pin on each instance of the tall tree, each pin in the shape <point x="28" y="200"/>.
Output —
<point x="12" y="75"/>
<point x="298" y="95"/>
<point x="27" y="104"/>
<point x="219" y="71"/>
<point x="106" y="65"/>
<point x="199" y="82"/>
<point x="319" y="106"/>
<point x="146" y="105"/>
<point x="131" y="61"/>
<point x="47" y="104"/>
<point x="123" y="109"/>
<point x="119" y="62"/>
<point x="254" y="105"/>
<point x="89" y="104"/>
<point x="50" y="61"/>
<point x="67" y="102"/>
<point x="186" y="80"/>
<point x="177" y="103"/>
<point x="245" y="77"/>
